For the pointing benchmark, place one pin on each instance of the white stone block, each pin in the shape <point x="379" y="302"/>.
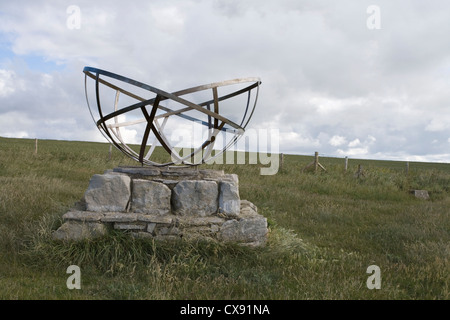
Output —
<point x="108" y="192"/>
<point x="229" y="200"/>
<point x="150" y="197"/>
<point x="195" y="198"/>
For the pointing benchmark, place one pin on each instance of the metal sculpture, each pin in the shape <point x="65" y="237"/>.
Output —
<point x="151" y="108"/>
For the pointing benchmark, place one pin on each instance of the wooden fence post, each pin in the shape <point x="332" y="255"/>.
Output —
<point x="315" y="163"/>
<point x="281" y="161"/>
<point x="360" y="172"/>
<point x="35" y="146"/>
<point x="346" y="164"/>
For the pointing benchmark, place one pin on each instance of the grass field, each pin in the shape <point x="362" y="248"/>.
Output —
<point x="326" y="229"/>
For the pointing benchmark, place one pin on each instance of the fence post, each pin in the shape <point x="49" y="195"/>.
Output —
<point x="346" y="164"/>
<point x="281" y="161"/>
<point x="360" y="172"/>
<point x="315" y="163"/>
<point x="407" y="167"/>
<point x="35" y="146"/>
<point x="110" y="152"/>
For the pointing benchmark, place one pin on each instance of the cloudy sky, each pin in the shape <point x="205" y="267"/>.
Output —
<point x="356" y="78"/>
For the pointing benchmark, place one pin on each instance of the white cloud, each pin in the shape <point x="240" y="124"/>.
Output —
<point x="354" y="143"/>
<point x="5" y="83"/>
<point x="439" y="124"/>
<point x="9" y="83"/>
<point x="356" y="148"/>
<point x="371" y="139"/>
<point x="291" y="141"/>
<point x="337" y="141"/>
<point x="168" y="19"/>
<point x="328" y="83"/>
<point x="15" y="134"/>
<point x="15" y="124"/>
<point x="354" y="152"/>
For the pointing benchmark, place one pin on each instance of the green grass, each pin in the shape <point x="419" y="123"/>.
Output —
<point x="326" y="228"/>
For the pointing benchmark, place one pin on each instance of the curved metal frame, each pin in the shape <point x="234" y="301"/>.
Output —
<point x="215" y="123"/>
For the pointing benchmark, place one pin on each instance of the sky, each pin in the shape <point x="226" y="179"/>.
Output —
<point x="355" y="78"/>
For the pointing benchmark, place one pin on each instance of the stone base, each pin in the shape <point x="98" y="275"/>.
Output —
<point x="420" y="194"/>
<point x="165" y="204"/>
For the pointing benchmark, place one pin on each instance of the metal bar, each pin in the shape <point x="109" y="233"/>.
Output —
<point x="149" y="126"/>
<point x="216" y="106"/>
<point x="215" y="122"/>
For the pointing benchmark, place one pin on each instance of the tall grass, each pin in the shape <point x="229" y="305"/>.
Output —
<point x="325" y="230"/>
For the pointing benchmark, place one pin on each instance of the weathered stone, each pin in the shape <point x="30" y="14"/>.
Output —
<point x="83" y="216"/>
<point x="247" y="209"/>
<point x="229" y="200"/>
<point x="180" y="172"/>
<point x="195" y="197"/>
<point x="421" y="194"/>
<point x="129" y="226"/>
<point x="199" y="221"/>
<point x="182" y="203"/>
<point x="155" y="219"/>
<point x="150" y="197"/>
<point x="244" y="230"/>
<point x="214" y="228"/>
<point x="74" y="230"/>
<point x="168" y="182"/>
<point x="119" y="217"/>
<point x="151" y="227"/>
<point x="234" y="178"/>
<point x="211" y="174"/>
<point x="247" y="204"/>
<point x="144" y="171"/>
<point x="108" y="192"/>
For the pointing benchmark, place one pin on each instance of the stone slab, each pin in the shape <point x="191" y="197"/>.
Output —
<point x="108" y="192"/>
<point x="144" y="171"/>
<point x="129" y="226"/>
<point x="195" y="198"/>
<point x="150" y="197"/>
<point x="155" y="219"/>
<point x="168" y="182"/>
<point x="211" y="174"/>
<point x="75" y="231"/>
<point x="421" y="194"/>
<point x="83" y="216"/>
<point x="229" y="200"/>
<point x="244" y="230"/>
<point x="180" y="172"/>
<point x="199" y="221"/>
<point x="119" y="217"/>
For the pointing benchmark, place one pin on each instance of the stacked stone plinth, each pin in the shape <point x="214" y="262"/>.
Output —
<point x="165" y="204"/>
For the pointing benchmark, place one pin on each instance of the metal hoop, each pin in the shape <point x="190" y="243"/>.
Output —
<point x="215" y="121"/>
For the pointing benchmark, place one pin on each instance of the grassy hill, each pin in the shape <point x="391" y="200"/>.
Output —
<point x="326" y="229"/>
